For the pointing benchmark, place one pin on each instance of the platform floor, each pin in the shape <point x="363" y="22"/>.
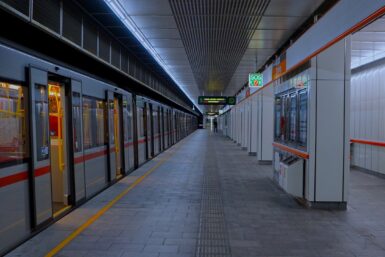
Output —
<point x="207" y="197"/>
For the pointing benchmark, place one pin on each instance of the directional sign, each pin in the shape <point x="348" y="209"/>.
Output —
<point x="212" y="100"/>
<point x="216" y="100"/>
<point x="255" y="80"/>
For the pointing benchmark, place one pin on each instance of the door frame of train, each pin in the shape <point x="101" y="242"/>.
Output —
<point x="151" y="110"/>
<point x="145" y="130"/>
<point x="135" y="130"/>
<point x="110" y="97"/>
<point x="163" y="132"/>
<point x="76" y="87"/>
<point x="121" y="136"/>
<point x="40" y="77"/>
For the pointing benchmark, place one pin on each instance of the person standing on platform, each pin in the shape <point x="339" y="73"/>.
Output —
<point x="215" y="126"/>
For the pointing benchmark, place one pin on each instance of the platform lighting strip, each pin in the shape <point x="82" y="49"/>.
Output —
<point x="119" y="10"/>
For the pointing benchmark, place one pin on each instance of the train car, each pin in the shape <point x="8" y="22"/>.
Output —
<point x="66" y="136"/>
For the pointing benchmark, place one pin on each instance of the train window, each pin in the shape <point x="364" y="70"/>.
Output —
<point x="126" y="118"/>
<point x="94" y="122"/>
<point x="13" y="136"/>
<point x="41" y="119"/>
<point x="129" y="121"/>
<point x="155" y="120"/>
<point x="141" y="121"/>
<point x="76" y="120"/>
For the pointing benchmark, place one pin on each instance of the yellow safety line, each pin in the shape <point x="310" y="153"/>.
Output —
<point x="96" y="216"/>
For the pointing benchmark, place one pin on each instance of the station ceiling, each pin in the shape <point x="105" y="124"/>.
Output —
<point x="210" y="46"/>
<point x="368" y="44"/>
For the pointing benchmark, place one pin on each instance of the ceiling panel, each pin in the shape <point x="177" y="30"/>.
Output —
<point x="280" y="22"/>
<point x="368" y="44"/>
<point x="147" y="7"/>
<point x="161" y="33"/>
<point x="154" y="22"/>
<point x="258" y="43"/>
<point x="166" y="43"/>
<point x="294" y="8"/>
<point x="210" y="46"/>
<point x="271" y="34"/>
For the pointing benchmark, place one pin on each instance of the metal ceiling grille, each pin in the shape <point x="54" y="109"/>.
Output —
<point x="47" y="13"/>
<point x="19" y="5"/>
<point x="216" y="35"/>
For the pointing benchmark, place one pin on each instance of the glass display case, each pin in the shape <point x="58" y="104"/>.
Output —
<point x="291" y="110"/>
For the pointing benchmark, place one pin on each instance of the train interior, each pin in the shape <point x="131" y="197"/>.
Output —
<point x="58" y="147"/>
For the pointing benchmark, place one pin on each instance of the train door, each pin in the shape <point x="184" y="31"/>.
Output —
<point x="163" y="147"/>
<point x="159" y="130"/>
<point x="51" y="174"/>
<point x="156" y="127"/>
<point x="170" y="128"/>
<point x="150" y="130"/>
<point x="127" y="131"/>
<point x="145" y="130"/>
<point x="115" y="138"/>
<point x="77" y="143"/>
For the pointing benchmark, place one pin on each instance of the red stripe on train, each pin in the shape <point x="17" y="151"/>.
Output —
<point x="90" y="156"/>
<point x="12" y="179"/>
<point x="42" y="171"/>
<point x="23" y="175"/>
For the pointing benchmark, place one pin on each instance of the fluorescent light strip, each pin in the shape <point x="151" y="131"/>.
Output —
<point x="119" y="10"/>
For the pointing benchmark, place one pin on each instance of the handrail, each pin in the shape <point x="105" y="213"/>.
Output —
<point x="292" y="150"/>
<point x="367" y="142"/>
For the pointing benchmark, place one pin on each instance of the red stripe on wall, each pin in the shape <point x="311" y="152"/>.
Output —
<point x="368" y="142"/>
<point x="294" y="151"/>
<point x="12" y="179"/>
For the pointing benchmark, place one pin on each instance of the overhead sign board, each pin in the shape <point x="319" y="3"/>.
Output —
<point x="216" y="100"/>
<point x="255" y="80"/>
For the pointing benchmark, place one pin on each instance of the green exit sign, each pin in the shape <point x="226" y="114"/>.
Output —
<point x="231" y="100"/>
<point x="255" y="80"/>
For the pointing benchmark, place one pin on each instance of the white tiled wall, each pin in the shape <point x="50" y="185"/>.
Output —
<point x="368" y="117"/>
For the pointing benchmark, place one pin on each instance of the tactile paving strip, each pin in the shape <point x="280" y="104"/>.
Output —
<point x="213" y="236"/>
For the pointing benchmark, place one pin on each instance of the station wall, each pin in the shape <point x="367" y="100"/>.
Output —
<point x="368" y="117"/>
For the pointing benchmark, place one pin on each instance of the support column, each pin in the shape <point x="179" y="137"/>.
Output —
<point x="328" y="164"/>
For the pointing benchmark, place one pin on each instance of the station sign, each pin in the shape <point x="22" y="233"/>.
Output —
<point x="216" y="100"/>
<point x="255" y="80"/>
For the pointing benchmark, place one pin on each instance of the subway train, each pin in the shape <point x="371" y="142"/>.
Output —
<point x="66" y="136"/>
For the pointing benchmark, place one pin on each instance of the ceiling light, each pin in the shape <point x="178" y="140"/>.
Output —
<point x="120" y="11"/>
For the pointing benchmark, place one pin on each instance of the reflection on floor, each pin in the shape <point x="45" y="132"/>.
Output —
<point x="210" y="195"/>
